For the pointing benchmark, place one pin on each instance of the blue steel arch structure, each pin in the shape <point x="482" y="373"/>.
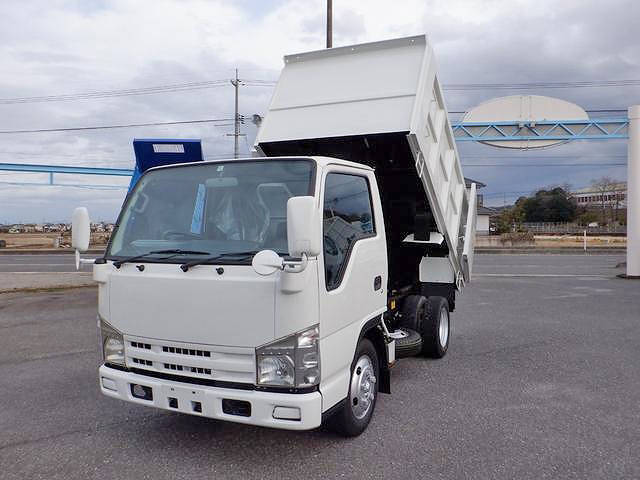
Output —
<point x="560" y="130"/>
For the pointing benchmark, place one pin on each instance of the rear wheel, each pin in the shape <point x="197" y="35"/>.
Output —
<point x="413" y="310"/>
<point x="354" y="416"/>
<point x="436" y="328"/>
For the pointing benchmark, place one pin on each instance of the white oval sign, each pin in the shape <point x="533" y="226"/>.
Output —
<point x="527" y="109"/>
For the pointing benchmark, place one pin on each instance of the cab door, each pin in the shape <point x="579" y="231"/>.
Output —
<point x="352" y="272"/>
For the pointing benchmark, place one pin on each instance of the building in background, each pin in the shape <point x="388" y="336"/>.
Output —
<point x="611" y="195"/>
<point x="483" y="224"/>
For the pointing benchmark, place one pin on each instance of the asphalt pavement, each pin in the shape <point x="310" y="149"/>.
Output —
<point x="40" y="263"/>
<point x="541" y="381"/>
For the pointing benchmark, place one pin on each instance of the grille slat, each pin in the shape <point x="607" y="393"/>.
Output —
<point x="141" y="361"/>
<point x="186" y="351"/>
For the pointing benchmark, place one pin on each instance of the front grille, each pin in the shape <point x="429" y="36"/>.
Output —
<point x="207" y="362"/>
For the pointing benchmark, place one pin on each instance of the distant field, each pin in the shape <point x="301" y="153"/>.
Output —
<point x="554" y="241"/>
<point x="577" y="241"/>
<point x="46" y="240"/>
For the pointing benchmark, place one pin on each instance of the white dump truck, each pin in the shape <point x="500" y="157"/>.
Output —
<point x="280" y="290"/>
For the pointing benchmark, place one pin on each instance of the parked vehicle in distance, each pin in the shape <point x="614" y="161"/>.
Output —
<point x="280" y="290"/>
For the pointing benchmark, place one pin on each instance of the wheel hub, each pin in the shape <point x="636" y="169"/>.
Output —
<point x="363" y="387"/>
<point x="443" y="328"/>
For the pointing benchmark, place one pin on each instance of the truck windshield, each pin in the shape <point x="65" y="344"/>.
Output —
<point x="219" y="208"/>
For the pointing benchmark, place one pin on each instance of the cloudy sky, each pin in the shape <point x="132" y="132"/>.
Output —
<point x="58" y="47"/>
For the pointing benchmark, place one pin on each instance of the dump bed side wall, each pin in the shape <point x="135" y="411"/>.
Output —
<point x="438" y="163"/>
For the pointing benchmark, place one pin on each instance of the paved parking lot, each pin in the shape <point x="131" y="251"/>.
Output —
<point x="41" y="263"/>
<point x="541" y="381"/>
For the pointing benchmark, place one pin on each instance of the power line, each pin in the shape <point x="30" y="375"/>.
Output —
<point x="176" y="87"/>
<point x="104" y="127"/>
<point x="187" y="86"/>
<point x="513" y="86"/>
<point x="116" y="93"/>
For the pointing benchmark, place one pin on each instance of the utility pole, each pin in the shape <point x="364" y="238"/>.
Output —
<point x="236" y="121"/>
<point x="329" y="23"/>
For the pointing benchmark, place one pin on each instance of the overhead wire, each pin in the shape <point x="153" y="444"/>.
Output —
<point x="116" y="93"/>
<point x="513" y="86"/>
<point x="187" y="86"/>
<point x="105" y="127"/>
<point x="176" y="87"/>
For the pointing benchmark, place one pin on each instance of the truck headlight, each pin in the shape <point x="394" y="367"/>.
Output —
<point x="293" y="361"/>
<point x="112" y="344"/>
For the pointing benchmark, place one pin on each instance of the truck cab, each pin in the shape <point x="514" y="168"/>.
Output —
<point x="280" y="290"/>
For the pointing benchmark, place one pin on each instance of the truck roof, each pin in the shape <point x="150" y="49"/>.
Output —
<point x="320" y="160"/>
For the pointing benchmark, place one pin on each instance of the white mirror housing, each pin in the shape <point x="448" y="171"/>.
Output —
<point x="80" y="229"/>
<point x="303" y="227"/>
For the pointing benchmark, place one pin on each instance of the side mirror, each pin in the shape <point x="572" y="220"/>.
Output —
<point x="266" y="262"/>
<point x="303" y="227"/>
<point x="80" y="229"/>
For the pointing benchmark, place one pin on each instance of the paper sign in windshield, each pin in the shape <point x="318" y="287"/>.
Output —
<point x="198" y="210"/>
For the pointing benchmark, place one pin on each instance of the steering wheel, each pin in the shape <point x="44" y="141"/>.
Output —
<point x="168" y="234"/>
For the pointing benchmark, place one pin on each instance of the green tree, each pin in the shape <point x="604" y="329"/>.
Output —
<point x="554" y="205"/>
<point x="510" y="219"/>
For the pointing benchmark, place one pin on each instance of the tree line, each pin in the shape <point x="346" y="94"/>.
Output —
<point x="556" y="204"/>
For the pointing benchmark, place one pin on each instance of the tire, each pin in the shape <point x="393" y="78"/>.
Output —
<point x="436" y="328"/>
<point x="413" y="310"/>
<point x="408" y="345"/>
<point x="354" y="416"/>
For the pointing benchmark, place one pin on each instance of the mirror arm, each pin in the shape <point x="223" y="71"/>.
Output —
<point x="82" y="260"/>
<point x="295" y="265"/>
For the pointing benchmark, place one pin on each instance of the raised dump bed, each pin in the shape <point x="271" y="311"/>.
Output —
<point x="381" y="104"/>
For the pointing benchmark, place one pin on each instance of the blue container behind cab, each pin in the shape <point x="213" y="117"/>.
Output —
<point x="156" y="152"/>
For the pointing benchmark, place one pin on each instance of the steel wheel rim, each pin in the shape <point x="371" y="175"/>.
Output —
<point x="363" y="387"/>
<point x="443" y="328"/>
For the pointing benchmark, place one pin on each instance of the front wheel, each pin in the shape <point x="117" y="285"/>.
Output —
<point x="354" y="416"/>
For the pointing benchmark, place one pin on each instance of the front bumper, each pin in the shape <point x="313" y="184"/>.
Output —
<point x="117" y="384"/>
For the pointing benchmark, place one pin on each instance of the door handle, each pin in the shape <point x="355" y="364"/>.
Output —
<point x="377" y="283"/>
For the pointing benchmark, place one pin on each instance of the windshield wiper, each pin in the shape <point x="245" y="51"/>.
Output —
<point x="172" y="252"/>
<point x="187" y="265"/>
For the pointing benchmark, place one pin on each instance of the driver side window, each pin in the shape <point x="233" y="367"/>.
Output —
<point x="347" y="218"/>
